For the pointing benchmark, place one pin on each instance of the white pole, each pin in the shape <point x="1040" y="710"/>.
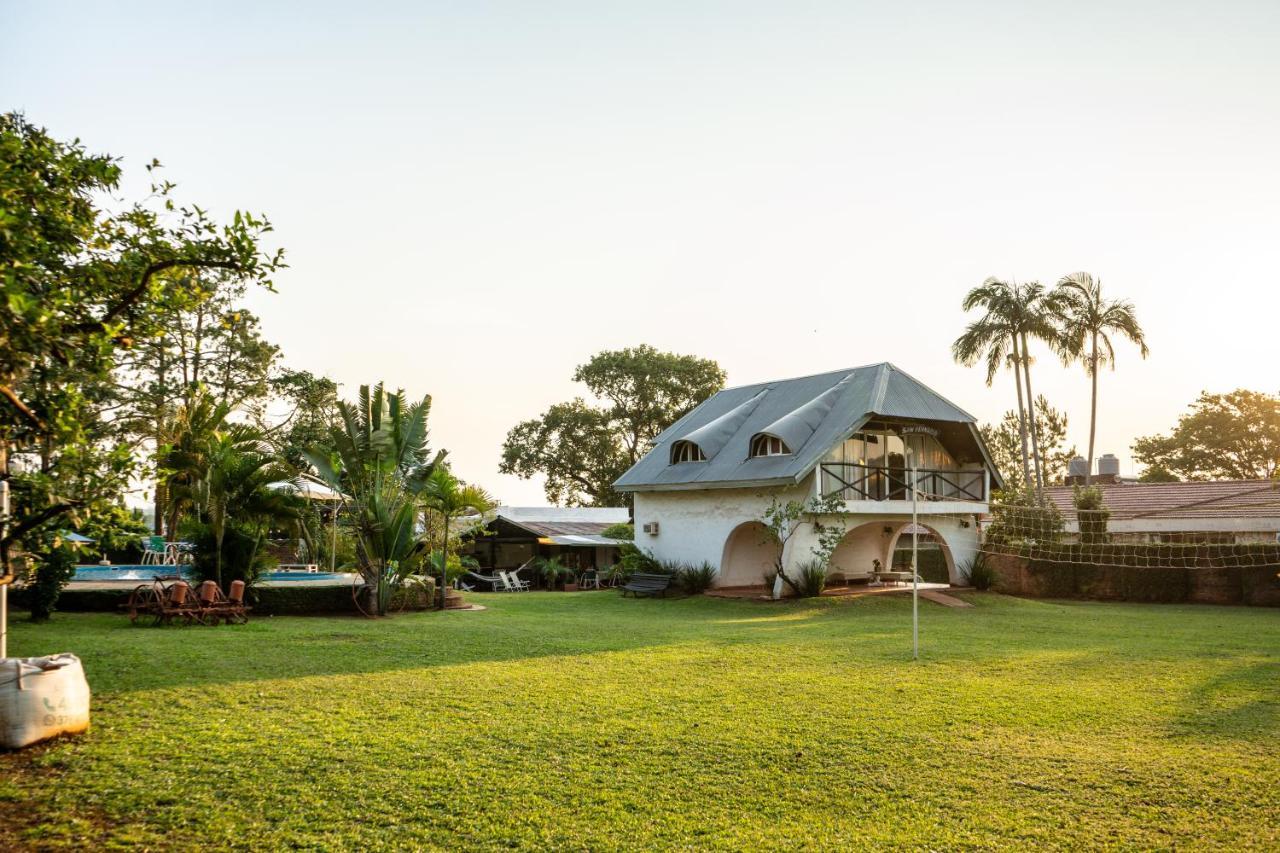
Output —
<point x="4" y="587"/>
<point x="915" y="577"/>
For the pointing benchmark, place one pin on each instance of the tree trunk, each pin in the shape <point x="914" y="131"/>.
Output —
<point x="1022" y="415"/>
<point x="1093" y="407"/>
<point x="1031" y="418"/>
<point x="444" y="561"/>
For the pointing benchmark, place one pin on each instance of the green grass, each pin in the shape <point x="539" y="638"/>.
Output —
<point x="584" y="721"/>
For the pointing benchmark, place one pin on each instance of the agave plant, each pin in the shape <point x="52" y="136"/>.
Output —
<point x="379" y="461"/>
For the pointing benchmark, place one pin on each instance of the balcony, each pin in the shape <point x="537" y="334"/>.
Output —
<point x="853" y="482"/>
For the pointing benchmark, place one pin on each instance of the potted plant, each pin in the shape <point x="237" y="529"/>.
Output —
<point x="554" y="573"/>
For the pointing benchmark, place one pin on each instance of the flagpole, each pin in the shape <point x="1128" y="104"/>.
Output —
<point x="915" y="575"/>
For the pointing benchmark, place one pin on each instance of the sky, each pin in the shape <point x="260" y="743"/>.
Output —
<point x="476" y="197"/>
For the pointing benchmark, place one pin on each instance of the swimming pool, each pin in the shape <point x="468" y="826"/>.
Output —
<point x="138" y="574"/>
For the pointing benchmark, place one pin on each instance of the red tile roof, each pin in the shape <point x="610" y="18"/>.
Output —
<point x="1209" y="499"/>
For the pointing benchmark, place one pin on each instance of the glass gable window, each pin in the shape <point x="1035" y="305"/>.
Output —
<point x="768" y="445"/>
<point x="686" y="451"/>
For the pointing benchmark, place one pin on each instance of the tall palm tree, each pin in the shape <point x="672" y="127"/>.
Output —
<point x="236" y="487"/>
<point x="1013" y="314"/>
<point x="1036" y="319"/>
<point x="379" y="461"/>
<point x="1088" y="323"/>
<point x="450" y="498"/>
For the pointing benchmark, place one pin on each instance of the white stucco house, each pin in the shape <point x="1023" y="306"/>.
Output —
<point x="702" y="489"/>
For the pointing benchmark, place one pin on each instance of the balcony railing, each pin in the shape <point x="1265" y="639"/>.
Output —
<point x="853" y="482"/>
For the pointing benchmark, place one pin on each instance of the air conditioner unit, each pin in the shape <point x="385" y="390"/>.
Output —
<point x="651" y="528"/>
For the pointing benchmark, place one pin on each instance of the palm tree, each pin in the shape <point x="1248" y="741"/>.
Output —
<point x="184" y="456"/>
<point x="450" y="498"/>
<point x="236" y="487"/>
<point x="1036" y="319"/>
<point x="1000" y="337"/>
<point x="379" y="461"/>
<point x="1088" y="323"/>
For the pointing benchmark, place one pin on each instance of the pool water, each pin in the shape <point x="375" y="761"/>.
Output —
<point x="98" y="574"/>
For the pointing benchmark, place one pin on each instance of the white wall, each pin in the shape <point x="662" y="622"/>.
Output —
<point x="694" y="526"/>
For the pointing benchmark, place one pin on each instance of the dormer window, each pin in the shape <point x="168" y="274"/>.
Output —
<point x="686" y="451"/>
<point x="768" y="445"/>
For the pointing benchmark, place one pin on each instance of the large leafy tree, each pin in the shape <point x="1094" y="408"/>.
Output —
<point x="1013" y="315"/>
<point x="1003" y="437"/>
<point x="81" y="284"/>
<point x="581" y="448"/>
<point x="378" y="458"/>
<point x="1234" y="436"/>
<point x="1089" y="324"/>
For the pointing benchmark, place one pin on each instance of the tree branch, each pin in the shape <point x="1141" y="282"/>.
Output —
<point x="22" y="407"/>
<point x="134" y="295"/>
<point x="32" y="522"/>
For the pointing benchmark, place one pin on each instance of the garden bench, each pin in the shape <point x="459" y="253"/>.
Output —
<point x="646" y="584"/>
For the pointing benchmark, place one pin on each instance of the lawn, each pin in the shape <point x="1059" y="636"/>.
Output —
<point x="585" y="721"/>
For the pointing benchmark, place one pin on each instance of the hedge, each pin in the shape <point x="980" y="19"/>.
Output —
<point x="1213" y="574"/>
<point x="265" y="600"/>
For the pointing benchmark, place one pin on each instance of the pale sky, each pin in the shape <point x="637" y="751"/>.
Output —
<point x="475" y="197"/>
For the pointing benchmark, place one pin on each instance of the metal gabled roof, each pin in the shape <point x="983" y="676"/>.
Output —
<point x="816" y="412"/>
<point x="713" y="436"/>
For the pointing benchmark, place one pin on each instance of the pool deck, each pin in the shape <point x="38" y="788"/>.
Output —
<point x="301" y="580"/>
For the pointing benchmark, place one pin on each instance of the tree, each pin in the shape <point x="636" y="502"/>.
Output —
<point x="1233" y="436"/>
<point x="1013" y="315"/>
<point x="313" y="408"/>
<point x="377" y="457"/>
<point x="1088" y="323"/>
<point x="82" y="284"/>
<point x="213" y="344"/>
<point x="451" y="498"/>
<point x="1054" y="456"/>
<point x="581" y="449"/>
<point x="783" y="519"/>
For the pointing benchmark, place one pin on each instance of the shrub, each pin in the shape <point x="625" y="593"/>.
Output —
<point x="632" y="559"/>
<point x="116" y="533"/>
<point x="621" y="532"/>
<point x="698" y="579"/>
<point x="812" y="578"/>
<point x="552" y="571"/>
<point x="241" y="558"/>
<point x="1092" y="514"/>
<point x="52" y="571"/>
<point x="978" y="573"/>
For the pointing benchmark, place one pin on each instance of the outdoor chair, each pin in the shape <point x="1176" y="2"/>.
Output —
<point x="515" y="583"/>
<point x="154" y="551"/>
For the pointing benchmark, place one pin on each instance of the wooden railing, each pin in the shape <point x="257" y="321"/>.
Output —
<point x="853" y="482"/>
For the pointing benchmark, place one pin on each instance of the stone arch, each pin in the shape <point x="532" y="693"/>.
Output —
<point x="902" y="533"/>
<point x="860" y="546"/>
<point x="749" y="555"/>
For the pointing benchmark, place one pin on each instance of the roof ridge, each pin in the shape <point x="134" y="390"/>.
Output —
<point x="772" y="382"/>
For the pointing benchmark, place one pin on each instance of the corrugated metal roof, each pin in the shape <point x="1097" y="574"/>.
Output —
<point x="814" y="421"/>
<point x="1191" y="500"/>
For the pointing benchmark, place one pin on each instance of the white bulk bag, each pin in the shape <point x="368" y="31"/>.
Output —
<point x="41" y="698"/>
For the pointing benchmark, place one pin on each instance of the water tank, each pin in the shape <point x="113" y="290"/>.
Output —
<point x="1078" y="467"/>
<point x="1108" y="464"/>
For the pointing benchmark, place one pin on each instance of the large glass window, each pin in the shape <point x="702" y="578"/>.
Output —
<point x="874" y="464"/>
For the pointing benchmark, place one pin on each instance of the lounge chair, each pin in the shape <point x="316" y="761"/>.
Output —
<point x="515" y="583"/>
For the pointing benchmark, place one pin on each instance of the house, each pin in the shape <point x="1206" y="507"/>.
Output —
<point x="702" y="490"/>
<point x="1217" y="512"/>
<point x="517" y="534"/>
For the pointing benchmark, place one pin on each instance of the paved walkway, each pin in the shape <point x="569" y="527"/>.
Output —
<point x="760" y="593"/>
<point x="943" y="599"/>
